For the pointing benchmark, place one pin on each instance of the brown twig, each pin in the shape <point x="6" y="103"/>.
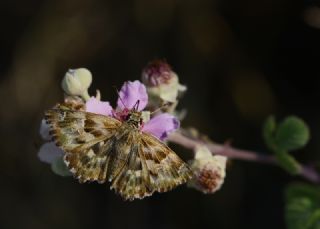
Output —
<point x="179" y="138"/>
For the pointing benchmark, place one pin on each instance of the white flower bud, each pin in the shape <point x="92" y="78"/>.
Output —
<point x="209" y="171"/>
<point x="76" y="82"/>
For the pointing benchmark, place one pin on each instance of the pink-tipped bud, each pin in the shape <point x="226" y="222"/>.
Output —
<point x="162" y="83"/>
<point x="156" y="72"/>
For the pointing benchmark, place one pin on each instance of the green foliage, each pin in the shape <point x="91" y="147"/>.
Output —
<point x="291" y="134"/>
<point x="60" y="168"/>
<point x="268" y="131"/>
<point x="288" y="162"/>
<point x="303" y="207"/>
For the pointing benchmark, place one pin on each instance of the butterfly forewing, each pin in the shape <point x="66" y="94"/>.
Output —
<point x="72" y="129"/>
<point x="100" y="148"/>
<point x="86" y="140"/>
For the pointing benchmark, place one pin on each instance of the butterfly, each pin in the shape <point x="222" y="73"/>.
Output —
<point x="102" y="148"/>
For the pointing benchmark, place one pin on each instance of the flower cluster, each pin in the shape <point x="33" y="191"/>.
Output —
<point x="76" y="83"/>
<point x="160" y="86"/>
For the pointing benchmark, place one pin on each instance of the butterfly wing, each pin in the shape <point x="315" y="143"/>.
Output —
<point x="151" y="166"/>
<point x="87" y="140"/>
<point x="164" y="167"/>
<point x="101" y="148"/>
<point x="130" y="180"/>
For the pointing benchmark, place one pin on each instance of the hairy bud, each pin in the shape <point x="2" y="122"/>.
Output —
<point x="76" y="82"/>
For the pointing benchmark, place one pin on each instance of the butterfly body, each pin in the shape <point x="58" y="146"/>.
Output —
<point x="101" y="148"/>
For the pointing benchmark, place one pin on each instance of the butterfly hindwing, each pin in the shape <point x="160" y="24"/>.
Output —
<point x="165" y="169"/>
<point x="130" y="181"/>
<point x="151" y="166"/>
<point x="90" y="164"/>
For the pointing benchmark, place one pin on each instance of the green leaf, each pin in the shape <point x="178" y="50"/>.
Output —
<point x="292" y="134"/>
<point x="60" y="168"/>
<point x="287" y="162"/>
<point x="303" y="207"/>
<point x="302" y="189"/>
<point x="269" y="128"/>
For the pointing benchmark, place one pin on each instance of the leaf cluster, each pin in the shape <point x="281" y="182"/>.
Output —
<point x="282" y="138"/>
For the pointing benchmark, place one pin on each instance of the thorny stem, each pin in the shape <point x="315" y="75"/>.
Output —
<point x="188" y="142"/>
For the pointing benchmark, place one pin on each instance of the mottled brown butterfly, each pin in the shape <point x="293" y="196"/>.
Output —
<point x="100" y="148"/>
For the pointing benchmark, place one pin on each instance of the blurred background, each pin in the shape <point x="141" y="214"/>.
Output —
<point x="241" y="60"/>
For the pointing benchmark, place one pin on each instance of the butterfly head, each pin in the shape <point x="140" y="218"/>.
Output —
<point x="134" y="118"/>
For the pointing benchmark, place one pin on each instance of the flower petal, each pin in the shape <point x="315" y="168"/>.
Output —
<point x="96" y="106"/>
<point x="49" y="152"/>
<point x="59" y="167"/>
<point x="44" y="130"/>
<point x="161" y="125"/>
<point x="130" y="93"/>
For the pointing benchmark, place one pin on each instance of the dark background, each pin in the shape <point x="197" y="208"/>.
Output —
<point x="241" y="60"/>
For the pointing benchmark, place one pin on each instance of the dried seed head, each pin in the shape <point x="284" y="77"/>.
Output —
<point x="209" y="171"/>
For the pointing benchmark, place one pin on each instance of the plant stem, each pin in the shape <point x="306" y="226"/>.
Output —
<point x="85" y="96"/>
<point x="179" y="138"/>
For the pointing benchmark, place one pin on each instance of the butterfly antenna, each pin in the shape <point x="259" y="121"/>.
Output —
<point x="159" y="108"/>
<point x="136" y="105"/>
<point x="119" y="96"/>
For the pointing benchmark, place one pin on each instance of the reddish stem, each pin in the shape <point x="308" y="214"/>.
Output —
<point x="307" y="172"/>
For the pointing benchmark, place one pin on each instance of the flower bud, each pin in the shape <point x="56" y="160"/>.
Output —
<point x="161" y="81"/>
<point x="209" y="171"/>
<point x="157" y="72"/>
<point x="76" y="82"/>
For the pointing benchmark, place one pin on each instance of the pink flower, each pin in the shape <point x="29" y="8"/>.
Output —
<point x="160" y="126"/>
<point x="96" y="106"/>
<point x="130" y="93"/>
